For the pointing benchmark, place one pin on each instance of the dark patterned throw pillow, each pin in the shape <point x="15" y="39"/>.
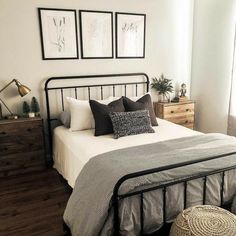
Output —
<point x="131" y="123"/>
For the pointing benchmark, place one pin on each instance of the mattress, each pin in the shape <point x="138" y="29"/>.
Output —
<point x="72" y="150"/>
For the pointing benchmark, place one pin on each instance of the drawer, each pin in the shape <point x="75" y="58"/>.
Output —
<point x="178" y="110"/>
<point x="20" y="128"/>
<point x="22" y="163"/>
<point x="182" y="120"/>
<point x="21" y="143"/>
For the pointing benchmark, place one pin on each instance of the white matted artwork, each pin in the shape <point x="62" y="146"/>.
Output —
<point x="96" y="34"/>
<point x="58" y="30"/>
<point x="130" y="35"/>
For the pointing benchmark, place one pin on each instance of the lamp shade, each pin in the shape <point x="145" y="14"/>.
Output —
<point x="22" y="89"/>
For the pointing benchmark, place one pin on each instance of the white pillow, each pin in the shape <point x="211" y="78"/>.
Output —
<point x="81" y="114"/>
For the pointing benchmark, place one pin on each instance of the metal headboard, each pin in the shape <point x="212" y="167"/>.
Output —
<point x="113" y="85"/>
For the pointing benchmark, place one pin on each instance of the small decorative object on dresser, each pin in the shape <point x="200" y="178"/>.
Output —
<point x="181" y="113"/>
<point x="25" y="109"/>
<point x="183" y="91"/>
<point x="163" y="86"/>
<point x="35" y="106"/>
<point x="21" y="146"/>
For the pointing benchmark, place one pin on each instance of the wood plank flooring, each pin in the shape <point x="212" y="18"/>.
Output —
<point x="33" y="204"/>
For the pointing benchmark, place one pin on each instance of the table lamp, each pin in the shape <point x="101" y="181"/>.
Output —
<point x="22" y="90"/>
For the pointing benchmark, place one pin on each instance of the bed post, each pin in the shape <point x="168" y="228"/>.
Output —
<point x="148" y="82"/>
<point x="49" y="162"/>
<point x="116" y="221"/>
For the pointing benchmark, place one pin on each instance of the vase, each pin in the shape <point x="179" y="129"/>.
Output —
<point x="164" y="98"/>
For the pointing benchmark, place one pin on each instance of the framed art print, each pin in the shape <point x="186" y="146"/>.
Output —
<point x="130" y="35"/>
<point x="58" y="30"/>
<point x="96" y="34"/>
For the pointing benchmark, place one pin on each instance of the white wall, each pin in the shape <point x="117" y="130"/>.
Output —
<point x="214" y="22"/>
<point x="168" y="44"/>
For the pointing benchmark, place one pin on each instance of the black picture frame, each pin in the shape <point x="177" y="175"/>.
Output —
<point x="117" y="14"/>
<point x="44" y="47"/>
<point x="82" y="37"/>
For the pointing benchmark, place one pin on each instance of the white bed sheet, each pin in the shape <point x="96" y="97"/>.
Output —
<point x="72" y="150"/>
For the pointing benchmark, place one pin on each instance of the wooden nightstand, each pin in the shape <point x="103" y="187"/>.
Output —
<point x="178" y="113"/>
<point x="21" y="146"/>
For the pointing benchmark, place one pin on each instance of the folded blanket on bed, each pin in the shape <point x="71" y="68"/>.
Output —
<point x="88" y="212"/>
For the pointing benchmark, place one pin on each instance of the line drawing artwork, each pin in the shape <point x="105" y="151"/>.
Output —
<point x="59" y="24"/>
<point x="97" y="38"/>
<point x="130" y="37"/>
<point x="96" y="34"/>
<point x="129" y="27"/>
<point x="131" y="31"/>
<point x="58" y="31"/>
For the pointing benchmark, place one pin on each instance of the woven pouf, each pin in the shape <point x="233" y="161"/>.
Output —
<point x="204" y="221"/>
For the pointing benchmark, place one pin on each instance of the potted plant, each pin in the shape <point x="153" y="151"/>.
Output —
<point x="35" y="106"/>
<point x="163" y="86"/>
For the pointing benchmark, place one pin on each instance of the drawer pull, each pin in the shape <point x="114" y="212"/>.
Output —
<point x="186" y="121"/>
<point x="172" y="112"/>
<point x="187" y="109"/>
<point x="5" y="148"/>
<point x="29" y="129"/>
<point x="3" y="132"/>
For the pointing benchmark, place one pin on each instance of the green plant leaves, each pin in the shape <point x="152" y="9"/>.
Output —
<point x="162" y="85"/>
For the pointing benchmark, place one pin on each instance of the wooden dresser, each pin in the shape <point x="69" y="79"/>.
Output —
<point x="21" y="146"/>
<point x="178" y="113"/>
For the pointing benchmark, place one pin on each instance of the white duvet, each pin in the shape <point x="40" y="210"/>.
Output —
<point x="71" y="150"/>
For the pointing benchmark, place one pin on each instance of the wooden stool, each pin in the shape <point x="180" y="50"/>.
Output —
<point x="204" y="221"/>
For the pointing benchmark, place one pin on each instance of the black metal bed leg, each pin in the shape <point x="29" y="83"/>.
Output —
<point x="204" y="190"/>
<point x="116" y="216"/>
<point x="141" y="214"/>
<point x="185" y="194"/>
<point x="164" y="205"/>
<point x="66" y="229"/>
<point x="222" y="189"/>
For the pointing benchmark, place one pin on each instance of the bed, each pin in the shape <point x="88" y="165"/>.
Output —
<point x="72" y="149"/>
<point x="125" y="211"/>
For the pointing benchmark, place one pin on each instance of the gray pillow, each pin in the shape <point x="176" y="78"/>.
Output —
<point x="143" y="103"/>
<point x="131" y="123"/>
<point x="65" y="118"/>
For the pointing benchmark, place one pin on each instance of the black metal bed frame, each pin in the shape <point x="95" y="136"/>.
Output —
<point x="47" y="88"/>
<point x="117" y="197"/>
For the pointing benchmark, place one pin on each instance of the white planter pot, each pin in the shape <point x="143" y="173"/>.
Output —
<point x="31" y="114"/>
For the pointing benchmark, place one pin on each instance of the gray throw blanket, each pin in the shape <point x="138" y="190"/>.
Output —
<point x="88" y="212"/>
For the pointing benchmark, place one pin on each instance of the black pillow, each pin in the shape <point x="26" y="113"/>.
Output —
<point x="131" y="123"/>
<point x="101" y="116"/>
<point x="142" y="103"/>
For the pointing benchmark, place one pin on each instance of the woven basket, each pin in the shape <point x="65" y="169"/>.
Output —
<point x="204" y="221"/>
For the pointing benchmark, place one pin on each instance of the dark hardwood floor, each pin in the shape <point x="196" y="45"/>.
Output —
<point x="33" y="204"/>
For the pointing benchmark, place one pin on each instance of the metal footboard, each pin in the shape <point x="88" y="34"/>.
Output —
<point x="204" y="175"/>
